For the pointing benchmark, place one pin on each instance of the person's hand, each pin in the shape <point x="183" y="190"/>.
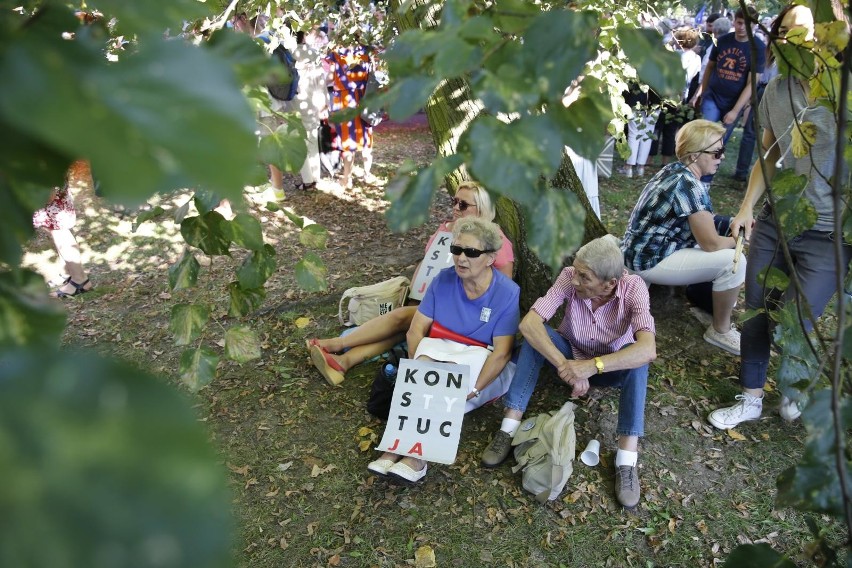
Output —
<point x="744" y="222"/>
<point x="730" y="117"/>
<point x="695" y="101"/>
<point x="576" y="373"/>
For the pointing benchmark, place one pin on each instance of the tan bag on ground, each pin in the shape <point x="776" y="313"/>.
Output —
<point x="368" y="302"/>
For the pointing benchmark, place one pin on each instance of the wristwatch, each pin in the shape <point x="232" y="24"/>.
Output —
<point x="599" y="364"/>
<point x="476" y="392"/>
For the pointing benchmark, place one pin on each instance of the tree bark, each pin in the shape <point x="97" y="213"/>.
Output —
<point x="450" y="109"/>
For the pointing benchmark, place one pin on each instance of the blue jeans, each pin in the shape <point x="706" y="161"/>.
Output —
<point x="813" y="255"/>
<point x="711" y="111"/>
<point x="633" y="384"/>
<point x="749" y="139"/>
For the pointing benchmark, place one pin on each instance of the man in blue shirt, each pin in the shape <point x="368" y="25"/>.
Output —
<point x="725" y="90"/>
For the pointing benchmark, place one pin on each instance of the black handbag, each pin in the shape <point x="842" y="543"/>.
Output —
<point x="381" y="392"/>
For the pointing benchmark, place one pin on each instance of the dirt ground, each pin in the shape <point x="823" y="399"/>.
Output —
<point x="293" y="444"/>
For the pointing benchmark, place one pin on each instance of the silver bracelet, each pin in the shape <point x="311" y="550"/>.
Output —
<point x="476" y="392"/>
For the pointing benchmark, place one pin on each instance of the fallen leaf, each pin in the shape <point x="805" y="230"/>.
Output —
<point x="302" y="322"/>
<point x="239" y="470"/>
<point x="736" y="435"/>
<point x="285" y="466"/>
<point x="334" y="560"/>
<point x="424" y="557"/>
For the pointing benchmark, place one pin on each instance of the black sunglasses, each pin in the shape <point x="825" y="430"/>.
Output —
<point x="715" y="153"/>
<point x="468" y="252"/>
<point x="462" y="205"/>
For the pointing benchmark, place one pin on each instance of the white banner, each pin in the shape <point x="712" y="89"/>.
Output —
<point x="436" y="259"/>
<point x="427" y="410"/>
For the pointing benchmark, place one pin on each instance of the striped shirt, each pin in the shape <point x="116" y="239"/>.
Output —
<point x="659" y="224"/>
<point x="602" y="331"/>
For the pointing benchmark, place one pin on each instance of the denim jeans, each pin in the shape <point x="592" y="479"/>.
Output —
<point x="711" y="111"/>
<point x="747" y="144"/>
<point x="633" y="384"/>
<point x="813" y="255"/>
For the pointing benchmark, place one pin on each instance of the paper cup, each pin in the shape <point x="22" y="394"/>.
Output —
<point x="591" y="455"/>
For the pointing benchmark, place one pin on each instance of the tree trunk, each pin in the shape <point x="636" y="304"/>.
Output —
<point x="450" y="109"/>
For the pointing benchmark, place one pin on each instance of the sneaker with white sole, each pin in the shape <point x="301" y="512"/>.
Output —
<point x="627" y="486"/>
<point x="625" y="170"/>
<point x="729" y="341"/>
<point x="748" y="407"/>
<point x="789" y="409"/>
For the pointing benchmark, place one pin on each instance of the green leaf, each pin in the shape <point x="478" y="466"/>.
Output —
<point x="198" y="368"/>
<point x="813" y="484"/>
<point x="95" y="452"/>
<point x="511" y="158"/>
<point x="311" y="273"/>
<point x="555" y="225"/>
<point x="799" y="363"/>
<point x="503" y="85"/>
<point x="513" y="16"/>
<point x="772" y="277"/>
<point x="297" y="220"/>
<point x="557" y="46"/>
<point x="150" y="214"/>
<point x="285" y="148"/>
<point x="249" y="60"/>
<point x="257" y="268"/>
<point x="314" y="236"/>
<point x="130" y="119"/>
<point x="241" y="344"/>
<point x="205" y="201"/>
<point x="139" y="17"/>
<point x="184" y="273"/>
<point x="582" y="122"/>
<point x="187" y="321"/>
<point x="796" y="213"/>
<point x="27" y="315"/>
<point x="407" y="96"/>
<point x="411" y="195"/>
<point x="658" y="68"/>
<point x="457" y="57"/>
<point x="206" y="232"/>
<point x="757" y="556"/>
<point x="244" y="300"/>
<point x="244" y="230"/>
<point x="794" y="60"/>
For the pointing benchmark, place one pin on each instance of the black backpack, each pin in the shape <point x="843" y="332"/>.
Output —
<point x="381" y="393"/>
<point x="287" y="90"/>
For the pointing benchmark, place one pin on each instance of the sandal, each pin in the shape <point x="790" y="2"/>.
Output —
<point x="330" y="369"/>
<point x="78" y="289"/>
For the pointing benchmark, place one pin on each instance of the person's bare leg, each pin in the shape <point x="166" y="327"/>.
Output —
<point x="348" y="159"/>
<point x="377" y="329"/>
<point x="361" y="353"/>
<point x="69" y="252"/>
<point x="723" y="307"/>
<point x="367" y="158"/>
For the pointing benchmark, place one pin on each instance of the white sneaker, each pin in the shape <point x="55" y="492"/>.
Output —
<point x="640" y="171"/>
<point x="747" y="408"/>
<point x="626" y="171"/>
<point x="730" y="341"/>
<point x="789" y="409"/>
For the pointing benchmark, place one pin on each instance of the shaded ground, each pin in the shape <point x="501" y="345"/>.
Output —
<point x="291" y="442"/>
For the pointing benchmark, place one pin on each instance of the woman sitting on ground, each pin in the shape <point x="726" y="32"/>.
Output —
<point x="336" y="355"/>
<point x="671" y="237"/>
<point x="474" y="300"/>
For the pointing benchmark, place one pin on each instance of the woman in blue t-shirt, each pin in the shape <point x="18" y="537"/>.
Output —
<point x="474" y="300"/>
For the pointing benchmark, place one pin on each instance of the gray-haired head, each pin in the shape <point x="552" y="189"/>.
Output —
<point x="721" y="26"/>
<point x="603" y="256"/>
<point x="486" y="232"/>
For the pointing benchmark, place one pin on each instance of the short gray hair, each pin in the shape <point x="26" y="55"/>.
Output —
<point x="721" y="26"/>
<point x="487" y="232"/>
<point x="603" y="256"/>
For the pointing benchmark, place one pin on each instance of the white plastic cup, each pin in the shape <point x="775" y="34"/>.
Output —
<point x="591" y="455"/>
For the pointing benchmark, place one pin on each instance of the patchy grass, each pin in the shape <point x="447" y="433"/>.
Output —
<point x="302" y="495"/>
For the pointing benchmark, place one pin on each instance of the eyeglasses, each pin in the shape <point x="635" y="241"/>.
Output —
<point x="468" y="252"/>
<point x="715" y="153"/>
<point x="462" y="205"/>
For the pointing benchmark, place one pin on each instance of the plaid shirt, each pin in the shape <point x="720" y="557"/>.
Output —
<point x="659" y="223"/>
<point x="592" y="333"/>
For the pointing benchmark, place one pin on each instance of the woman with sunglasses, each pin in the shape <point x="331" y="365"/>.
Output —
<point x="334" y="356"/>
<point x="474" y="300"/>
<point x="672" y="238"/>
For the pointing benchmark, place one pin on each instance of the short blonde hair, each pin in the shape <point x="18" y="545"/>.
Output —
<point x="487" y="232"/>
<point x="697" y="136"/>
<point x="484" y="206"/>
